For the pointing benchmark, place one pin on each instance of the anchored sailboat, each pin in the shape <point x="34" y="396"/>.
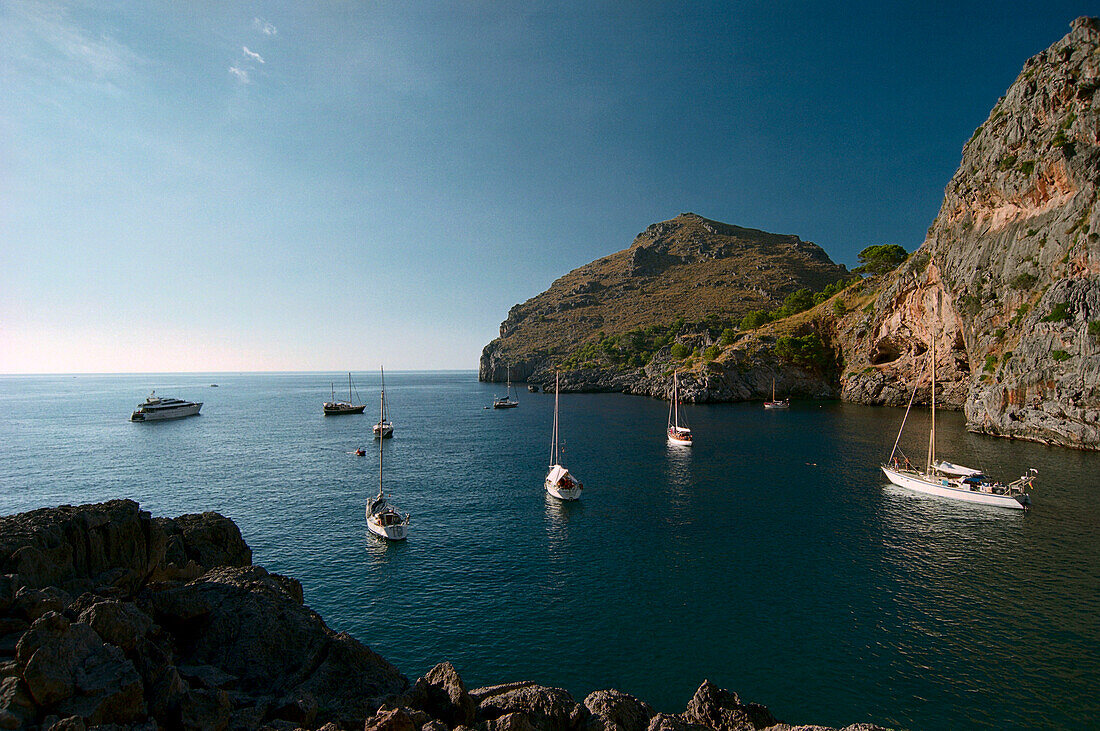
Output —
<point x="948" y="480"/>
<point x="677" y="434"/>
<point x="559" y="482"/>
<point x="384" y="428"/>
<point x="383" y="520"/>
<point x="335" y="408"/>
<point x="507" y="402"/>
<point x="777" y="404"/>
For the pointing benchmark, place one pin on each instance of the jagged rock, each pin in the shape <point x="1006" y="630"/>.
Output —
<point x="120" y="623"/>
<point x="619" y="711"/>
<point x="301" y="709"/>
<point x="391" y="720"/>
<point x="444" y="696"/>
<point x="72" y="723"/>
<point x="670" y="722"/>
<point x="509" y="722"/>
<point x="71" y="548"/>
<point x="721" y="710"/>
<point x="16" y="705"/>
<point x="548" y="709"/>
<point x="204" y="709"/>
<point x="30" y="604"/>
<point x="208" y="539"/>
<point x="249" y="624"/>
<point x="207" y="676"/>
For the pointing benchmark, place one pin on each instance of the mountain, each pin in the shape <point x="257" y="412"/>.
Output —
<point x="686" y="274"/>
<point x="1007" y="283"/>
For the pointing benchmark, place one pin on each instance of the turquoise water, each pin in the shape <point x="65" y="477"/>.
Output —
<point x="772" y="558"/>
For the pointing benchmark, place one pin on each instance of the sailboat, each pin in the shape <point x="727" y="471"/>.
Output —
<point x="335" y="408"/>
<point x="383" y="519"/>
<point x="948" y="480"/>
<point x="773" y="404"/>
<point x="559" y="482"/>
<point x="677" y="434"/>
<point x="507" y="402"/>
<point x="384" y="428"/>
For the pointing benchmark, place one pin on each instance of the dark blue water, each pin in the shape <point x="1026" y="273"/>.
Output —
<point x="772" y="558"/>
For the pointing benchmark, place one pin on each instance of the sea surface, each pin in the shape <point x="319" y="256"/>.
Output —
<point x="772" y="558"/>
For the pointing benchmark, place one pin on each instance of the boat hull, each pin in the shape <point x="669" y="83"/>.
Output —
<point x="563" y="493"/>
<point x="390" y="532"/>
<point x="166" y="414"/>
<point x="505" y="404"/>
<point x="776" y="405"/>
<point x="341" y="410"/>
<point x="383" y="431"/>
<point x="931" y="486"/>
<point x="679" y="442"/>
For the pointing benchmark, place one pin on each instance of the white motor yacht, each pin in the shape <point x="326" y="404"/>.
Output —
<point x="157" y="408"/>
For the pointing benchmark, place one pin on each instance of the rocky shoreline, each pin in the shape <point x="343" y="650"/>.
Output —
<point x="112" y="619"/>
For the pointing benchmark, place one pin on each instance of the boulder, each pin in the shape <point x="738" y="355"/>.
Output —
<point x="73" y="547"/>
<point x="120" y="623"/>
<point x="722" y="710"/>
<point x="249" y="623"/>
<point x="618" y="711"/>
<point x="204" y="710"/>
<point x="209" y="539"/>
<point x="443" y="695"/>
<point x="16" y="705"/>
<point x="670" y="722"/>
<point x="547" y="709"/>
<point x="389" y="720"/>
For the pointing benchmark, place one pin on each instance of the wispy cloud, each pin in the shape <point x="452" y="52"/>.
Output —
<point x="264" y="27"/>
<point x="44" y="37"/>
<point x="240" y="74"/>
<point x="252" y="54"/>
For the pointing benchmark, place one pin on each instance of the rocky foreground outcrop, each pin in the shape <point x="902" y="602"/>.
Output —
<point x="112" y="619"/>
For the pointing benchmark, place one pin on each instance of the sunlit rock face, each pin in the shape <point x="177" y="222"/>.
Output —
<point x="1007" y="279"/>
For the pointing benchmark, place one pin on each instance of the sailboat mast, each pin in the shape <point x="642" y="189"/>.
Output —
<point x="380" y="467"/>
<point x="932" y="434"/>
<point x="676" y="399"/>
<point x="349" y="387"/>
<point x="554" y="440"/>
<point x="382" y="407"/>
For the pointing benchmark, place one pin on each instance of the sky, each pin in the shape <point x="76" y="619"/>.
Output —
<point x="333" y="186"/>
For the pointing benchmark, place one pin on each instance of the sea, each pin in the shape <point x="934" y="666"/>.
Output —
<point x="772" y="558"/>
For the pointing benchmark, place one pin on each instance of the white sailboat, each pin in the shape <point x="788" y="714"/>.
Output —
<point x="383" y="519"/>
<point x="559" y="482"/>
<point x="777" y="404"/>
<point x="384" y="428"/>
<point x="677" y="434"/>
<point x="507" y="402"/>
<point x="948" y="480"/>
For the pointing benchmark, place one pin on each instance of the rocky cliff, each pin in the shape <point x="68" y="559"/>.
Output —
<point x="1007" y="284"/>
<point x="690" y="274"/>
<point x="1007" y="280"/>
<point x="112" y="619"/>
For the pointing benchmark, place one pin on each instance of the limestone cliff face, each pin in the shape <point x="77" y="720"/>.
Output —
<point x="1007" y="279"/>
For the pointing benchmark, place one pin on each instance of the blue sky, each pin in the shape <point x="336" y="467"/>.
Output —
<point x="209" y="186"/>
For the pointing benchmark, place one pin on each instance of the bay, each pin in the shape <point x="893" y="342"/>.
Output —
<point x="772" y="558"/>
